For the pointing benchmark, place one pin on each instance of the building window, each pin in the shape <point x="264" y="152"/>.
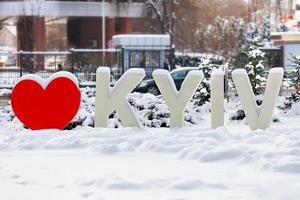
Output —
<point x="136" y="59"/>
<point x="144" y="59"/>
<point x="152" y="59"/>
<point x="118" y="24"/>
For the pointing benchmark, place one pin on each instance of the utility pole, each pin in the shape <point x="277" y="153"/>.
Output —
<point x="173" y="16"/>
<point x="103" y="32"/>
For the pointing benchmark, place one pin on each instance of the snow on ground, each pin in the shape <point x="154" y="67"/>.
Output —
<point x="191" y="163"/>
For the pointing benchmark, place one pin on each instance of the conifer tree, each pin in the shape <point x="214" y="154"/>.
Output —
<point x="281" y="27"/>
<point x="202" y="95"/>
<point x="294" y="85"/>
<point x="256" y="65"/>
<point x="265" y="29"/>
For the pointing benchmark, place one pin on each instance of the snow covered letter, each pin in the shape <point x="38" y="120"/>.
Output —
<point x="217" y="99"/>
<point x="108" y="99"/>
<point x="258" y="118"/>
<point x="177" y="100"/>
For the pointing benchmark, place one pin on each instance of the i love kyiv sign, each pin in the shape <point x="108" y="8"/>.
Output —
<point x="41" y="104"/>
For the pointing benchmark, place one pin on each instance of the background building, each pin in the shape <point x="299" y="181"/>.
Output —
<point x="285" y="11"/>
<point x="56" y="25"/>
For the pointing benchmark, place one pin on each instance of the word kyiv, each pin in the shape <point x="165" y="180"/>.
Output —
<point x="114" y="98"/>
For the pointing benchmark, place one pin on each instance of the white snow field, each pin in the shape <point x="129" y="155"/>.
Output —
<point x="191" y="163"/>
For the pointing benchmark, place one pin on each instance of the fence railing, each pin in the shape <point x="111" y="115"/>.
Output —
<point x="82" y="62"/>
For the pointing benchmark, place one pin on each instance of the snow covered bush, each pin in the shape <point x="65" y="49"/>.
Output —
<point x="187" y="60"/>
<point x="291" y="104"/>
<point x="202" y="94"/>
<point x="255" y="66"/>
<point x="281" y="27"/>
<point x="239" y="114"/>
<point x="152" y="111"/>
<point x="196" y="59"/>
<point x="265" y="29"/>
<point x="207" y="65"/>
<point x="5" y="92"/>
<point x="6" y="114"/>
<point x="294" y="85"/>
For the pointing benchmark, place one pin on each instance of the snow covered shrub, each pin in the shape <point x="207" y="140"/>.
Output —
<point x="294" y="85"/>
<point x="281" y="27"/>
<point x="290" y="101"/>
<point x="5" y="92"/>
<point x="196" y="59"/>
<point x="239" y="114"/>
<point x="252" y="58"/>
<point x="255" y="66"/>
<point x="295" y="74"/>
<point x="265" y="29"/>
<point x="85" y="115"/>
<point x="207" y="65"/>
<point x="6" y="114"/>
<point x="202" y="94"/>
<point x="187" y="60"/>
<point x="151" y="111"/>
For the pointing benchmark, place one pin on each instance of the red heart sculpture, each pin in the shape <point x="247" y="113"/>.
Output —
<point x="50" y="108"/>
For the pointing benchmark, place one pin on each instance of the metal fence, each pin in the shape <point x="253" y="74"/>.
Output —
<point x="82" y="62"/>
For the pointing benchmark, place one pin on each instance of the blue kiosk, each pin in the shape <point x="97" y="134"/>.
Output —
<point x="142" y="51"/>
